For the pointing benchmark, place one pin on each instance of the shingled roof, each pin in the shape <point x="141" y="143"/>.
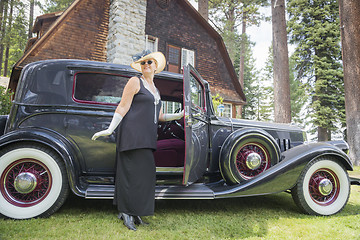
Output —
<point x="72" y="34"/>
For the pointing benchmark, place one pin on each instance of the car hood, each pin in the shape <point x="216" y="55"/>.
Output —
<point x="241" y="123"/>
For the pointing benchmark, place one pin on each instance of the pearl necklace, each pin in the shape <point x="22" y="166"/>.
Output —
<point x="156" y="95"/>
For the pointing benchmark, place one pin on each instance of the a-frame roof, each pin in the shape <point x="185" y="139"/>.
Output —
<point x="83" y="34"/>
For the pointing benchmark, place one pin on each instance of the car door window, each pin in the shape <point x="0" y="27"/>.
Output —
<point x="197" y="99"/>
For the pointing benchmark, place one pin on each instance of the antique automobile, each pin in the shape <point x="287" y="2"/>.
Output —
<point x="46" y="148"/>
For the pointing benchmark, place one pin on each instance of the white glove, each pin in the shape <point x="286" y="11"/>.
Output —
<point x="173" y="116"/>
<point x="114" y="123"/>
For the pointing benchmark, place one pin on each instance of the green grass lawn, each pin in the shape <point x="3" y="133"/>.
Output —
<point x="266" y="217"/>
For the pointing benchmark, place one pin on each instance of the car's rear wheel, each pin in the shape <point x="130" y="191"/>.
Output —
<point x="323" y="187"/>
<point x="246" y="154"/>
<point x="33" y="182"/>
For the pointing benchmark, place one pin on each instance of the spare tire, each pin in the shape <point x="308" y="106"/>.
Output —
<point x="246" y="153"/>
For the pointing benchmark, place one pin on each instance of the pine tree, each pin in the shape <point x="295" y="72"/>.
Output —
<point x="50" y="6"/>
<point x="298" y="95"/>
<point x="18" y="34"/>
<point x="250" y="87"/>
<point x="259" y="93"/>
<point x="267" y="103"/>
<point x="314" y="27"/>
<point x="229" y="15"/>
<point x="14" y="37"/>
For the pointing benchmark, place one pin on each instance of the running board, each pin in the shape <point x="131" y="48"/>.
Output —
<point x="354" y="181"/>
<point x="194" y="191"/>
<point x="100" y="192"/>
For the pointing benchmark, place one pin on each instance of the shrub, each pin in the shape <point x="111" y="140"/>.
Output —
<point x="5" y="101"/>
<point x="217" y="100"/>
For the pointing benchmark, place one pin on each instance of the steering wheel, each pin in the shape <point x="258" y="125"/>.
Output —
<point x="166" y="127"/>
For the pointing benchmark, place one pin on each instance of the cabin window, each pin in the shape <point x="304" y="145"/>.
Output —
<point x="151" y="43"/>
<point x="228" y="110"/>
<point x="174" y="59"/>
<point x="178" y="58"/>
<point x="187" y="57"/>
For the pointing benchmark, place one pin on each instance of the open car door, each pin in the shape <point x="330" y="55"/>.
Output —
<point x="196" y="126"/>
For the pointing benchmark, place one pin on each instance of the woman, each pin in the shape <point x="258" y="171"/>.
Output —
<point x="139" y="112"/>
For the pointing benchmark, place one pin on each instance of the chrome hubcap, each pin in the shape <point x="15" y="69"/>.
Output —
<point x="325" y="187"/>
<point x="253" y="161"/>
<point x="25" y="182"/>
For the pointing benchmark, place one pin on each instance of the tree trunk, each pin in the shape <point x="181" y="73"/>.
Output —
<point x="242" y="56"/>
<point x="323" y="134"/>
<point x="7" y="44"/>
<point x="242" y="53"/>
<point x="31" y="18"/>
<point x="1" y="31"/>
<point x="350" y="35"/>
<point x="229" y="33"/>
<point x="3" y="27"/>
<point x="203" y="6"/>
<point x="282" y="104"/>
<point x="1" y="13"/>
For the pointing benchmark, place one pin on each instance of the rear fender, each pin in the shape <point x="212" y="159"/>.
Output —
<point x="284" y="175"/>
<point x="344" y="146"/>
<point x="66" y="150"/>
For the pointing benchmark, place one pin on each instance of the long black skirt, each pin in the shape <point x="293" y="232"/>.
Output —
<point x="135" y="182"/>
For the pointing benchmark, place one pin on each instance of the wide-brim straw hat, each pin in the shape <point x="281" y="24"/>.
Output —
<point x="146" y="55"/>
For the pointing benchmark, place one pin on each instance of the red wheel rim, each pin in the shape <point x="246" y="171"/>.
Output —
<point x="39" y="172"/>
<point x="244" y="153"/>
<point x="315" y="187"/>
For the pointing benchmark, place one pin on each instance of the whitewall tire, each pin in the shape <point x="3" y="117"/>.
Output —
<point x="323" y="187"/>
<point x="33" y="181"/>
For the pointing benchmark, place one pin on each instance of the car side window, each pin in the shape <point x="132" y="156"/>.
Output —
<point x="47" y="87"/>
<point x="98" y="88"/>
<point x="197" y="98"/>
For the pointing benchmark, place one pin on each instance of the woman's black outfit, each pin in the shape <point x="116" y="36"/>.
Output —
<point x="135" y="166"/>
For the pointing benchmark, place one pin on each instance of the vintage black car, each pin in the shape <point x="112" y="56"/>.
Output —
<point x="46" y="148"/>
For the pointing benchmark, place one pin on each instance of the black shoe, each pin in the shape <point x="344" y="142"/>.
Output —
<point x="139" y="221"/>
<point x="128" y="221"/>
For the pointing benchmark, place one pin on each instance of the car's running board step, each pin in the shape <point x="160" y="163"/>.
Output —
<point x="194" y="191"/>
<point x="100" y="191"/>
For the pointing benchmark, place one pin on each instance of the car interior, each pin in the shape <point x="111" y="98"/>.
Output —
<point x="170" y="151"/>
<point x="106" y="88"/>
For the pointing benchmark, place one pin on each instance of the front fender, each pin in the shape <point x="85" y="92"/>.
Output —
<point x="284" y="175"/>
<point x="53" y="140"/>
<point x="3" y="120"/>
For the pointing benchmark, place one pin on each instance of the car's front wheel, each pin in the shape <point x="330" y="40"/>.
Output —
<point x="247" y="153"/>
<point x="33" y="182"/>
<point x="323" y="187"/>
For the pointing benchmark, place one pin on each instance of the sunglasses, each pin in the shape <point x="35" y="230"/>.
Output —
<point x="148" y="62"/>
